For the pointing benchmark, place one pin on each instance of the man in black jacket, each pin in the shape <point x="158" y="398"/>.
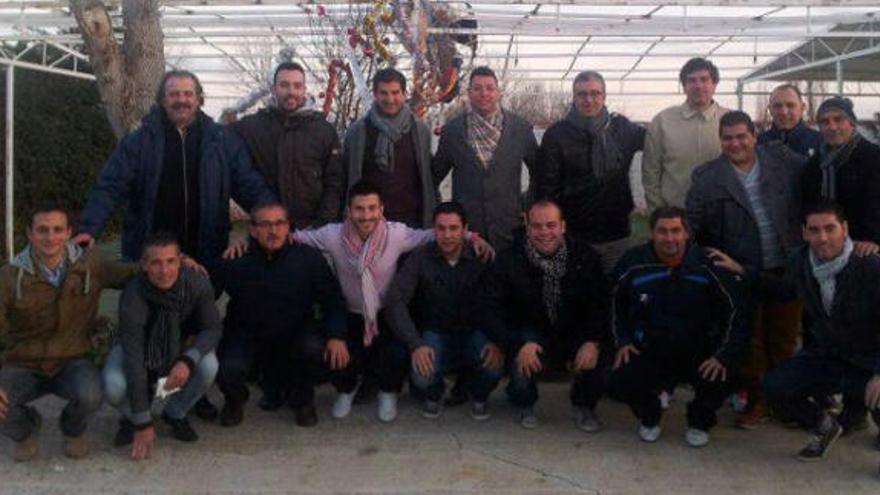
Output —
<point x="675" y="319"/>
<point x="160" y="313"/>
<point x="584" y="163"/>
<point x="273" y="291"/>
<point x="296" y="150"/>
<point x="546" y="298"/>
<point x="431" y="307"/>
<point x="841" y="295"/>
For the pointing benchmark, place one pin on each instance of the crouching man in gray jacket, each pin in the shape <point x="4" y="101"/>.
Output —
<point x="168" y="328"/>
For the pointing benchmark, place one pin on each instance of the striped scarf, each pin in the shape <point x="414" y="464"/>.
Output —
<point x="363" y="255"/>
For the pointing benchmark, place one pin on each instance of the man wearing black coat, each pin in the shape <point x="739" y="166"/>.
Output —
<point x="273" y="291"/>
<point x="297" y="151"/>
<point x="546" y="298"/>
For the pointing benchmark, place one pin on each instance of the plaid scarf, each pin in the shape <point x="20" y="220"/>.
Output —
<point x="553" y="269"/>
<point x="363" y="255"/>
<point x="484" y="134"/>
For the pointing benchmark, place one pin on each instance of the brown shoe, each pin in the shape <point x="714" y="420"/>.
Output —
<point x="29" y="448"/>
<point x="76" y="447"/>
<point x="752" y="419"/>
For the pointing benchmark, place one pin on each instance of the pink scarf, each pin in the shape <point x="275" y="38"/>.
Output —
<point x="363" y="255"/>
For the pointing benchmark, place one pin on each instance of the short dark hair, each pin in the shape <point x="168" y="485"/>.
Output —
<point x="45" y="207"/>
<point x="825" y="206"/>
<point x="364" y="188"/>
<point x="159" y="239"/>
<point x="587" y="75"/>
<point x="482" y="71"/>
<point x="388" y="75"/>
<point x="696" y="64"/>
<point x="736" y="117"/>
<point x="668" y="212"/>
<point x="783" y="87"/>
<point x="265" y="205"/>
<point x="451" y="207"/>
<point x="180" y="73"/>
<point x="293" y="66"/>
<point x="543" y="203"/>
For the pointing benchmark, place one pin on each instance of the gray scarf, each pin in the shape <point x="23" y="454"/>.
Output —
<point x="553" y="268"/>
<point x="391" y="129"/>
<point x="605" y="157"/>
<point x="826" y="273"/>
<point x="832" y="160"/>
<point x="163" y="336"/>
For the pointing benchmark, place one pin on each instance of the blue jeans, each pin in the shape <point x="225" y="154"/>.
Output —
<point x="791" y="387"/>
<point x="176" y="405"/>
<point x="456" y="351"/>
<point x="78" y="381"/>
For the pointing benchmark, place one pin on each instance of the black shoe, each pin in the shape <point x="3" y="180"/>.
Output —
<point x="125" y="434"/>
<point x="853" y="419"/>
<point x="271" y="401"/>
<point x="205" y="411"/>
<point x="232" y="414"/>
<point x="181" y="429"/>
<point x="821" y="441"/>
<point x="306" y="415"/>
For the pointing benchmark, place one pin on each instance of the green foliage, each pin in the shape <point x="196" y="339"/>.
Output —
<point x="62" y="139"/>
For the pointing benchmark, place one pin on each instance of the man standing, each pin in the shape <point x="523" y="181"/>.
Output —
<point x="746" y="204"/>
<point x="584" y="167"/>
<point x="273" y="290"/>
<point x="174" y="174"/>
<point x="49" y="296"/>
<point x="160" y="313"/>
<point x="846" y="171"/>
<point x="390" y="147"/>
<point x="546" y="300"/>
<point x="442" y="332"/>
<point x="841" y="295"/>
<point x="296" y="150"/>
<point x="682" y="137"/>
<point x="485" y="147"/>
<point x="675" y="319"/>
<point x="787" y="111"/>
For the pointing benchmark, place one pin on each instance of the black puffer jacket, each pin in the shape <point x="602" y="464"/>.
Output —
<point x="514" y="305"/>
<point x="596" y="210"/>
<point x="298" y="155"/>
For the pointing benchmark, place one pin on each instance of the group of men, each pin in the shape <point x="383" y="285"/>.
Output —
<point x="744" y="239"/>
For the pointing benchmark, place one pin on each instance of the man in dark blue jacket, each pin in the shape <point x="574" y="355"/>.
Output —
<point x="787" y="110"/>
<point x="273" y="291"/>
<point x="675" y="319"/>
<point x="174" y="174"/>
<point x="547" y="299"/>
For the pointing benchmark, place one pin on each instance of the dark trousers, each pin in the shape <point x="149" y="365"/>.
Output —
<point x="586" y="387"/>
<point x="291" y="365"/>
<point x="457" y="352"/>
<point x="386" y="356"/>
<point x="791" y="387"/>
<point x="78" y="381"/>
<point x="638" y="383"/>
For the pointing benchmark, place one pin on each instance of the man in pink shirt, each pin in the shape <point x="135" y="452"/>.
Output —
<point x="365" y="249"/>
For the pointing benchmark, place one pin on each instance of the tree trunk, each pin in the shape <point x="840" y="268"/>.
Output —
<point x="127" y="75"/>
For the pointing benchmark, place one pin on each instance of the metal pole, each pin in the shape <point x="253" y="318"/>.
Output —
<point x="739" y="94"/>
<point x="10" y="162"/>
<point x="838" y="69"/>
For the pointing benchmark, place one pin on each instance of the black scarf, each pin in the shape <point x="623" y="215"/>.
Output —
<point x="605" y="157"/>
<point x="163" y="335"/>
<point x="553" y="268"/>
<point x="832" y="160"/>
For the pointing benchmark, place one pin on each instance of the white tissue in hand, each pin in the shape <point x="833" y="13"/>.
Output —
<point x="161" y="393"/>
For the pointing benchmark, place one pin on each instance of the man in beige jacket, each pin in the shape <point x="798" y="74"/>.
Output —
<point x="682" y="137"/>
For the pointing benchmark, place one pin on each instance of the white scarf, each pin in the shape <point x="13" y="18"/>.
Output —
<point x="826" y="273"/>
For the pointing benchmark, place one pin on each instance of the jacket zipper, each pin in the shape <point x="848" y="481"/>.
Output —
<point x="185" y="240"/>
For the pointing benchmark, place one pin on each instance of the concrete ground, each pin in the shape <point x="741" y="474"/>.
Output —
<point x="269" y="454"/>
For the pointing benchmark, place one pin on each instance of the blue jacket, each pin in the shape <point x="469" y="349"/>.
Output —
<point x="694" y="306"/>
<point x="131" y="179"/>
<point x="801" y="139"/>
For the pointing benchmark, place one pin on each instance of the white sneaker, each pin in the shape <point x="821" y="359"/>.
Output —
<point x="649" y="434"/>
<point x="342" y="406"/>
<point x="387" y="407"/>
<point x="696" y="438"/>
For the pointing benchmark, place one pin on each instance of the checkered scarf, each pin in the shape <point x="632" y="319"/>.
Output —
<point x="484" y="134"/>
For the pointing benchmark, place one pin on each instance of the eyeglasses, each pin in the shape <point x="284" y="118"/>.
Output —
<point x="265" y="224"/>
<point x="593" y="95"/>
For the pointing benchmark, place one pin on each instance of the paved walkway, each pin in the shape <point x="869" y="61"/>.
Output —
<point x="269" y="454"/>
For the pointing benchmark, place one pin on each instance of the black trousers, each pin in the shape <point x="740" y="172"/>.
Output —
<point x="387" y="357"/>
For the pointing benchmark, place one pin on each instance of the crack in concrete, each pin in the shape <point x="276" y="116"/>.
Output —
<point x="543" y="472"/>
